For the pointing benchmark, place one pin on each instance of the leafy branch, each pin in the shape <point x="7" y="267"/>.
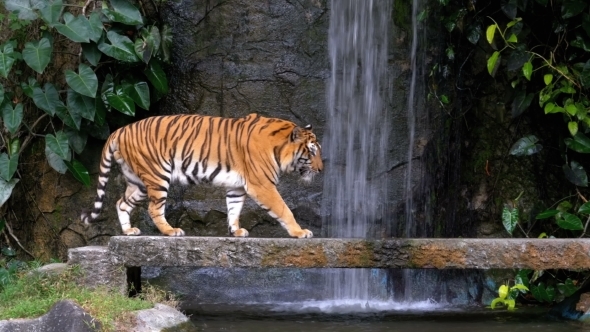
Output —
<point x="119" y="67"/>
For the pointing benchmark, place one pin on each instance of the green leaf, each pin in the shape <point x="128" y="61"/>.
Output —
<point x="8" y="166"/>
<point x="121" y="47"/>
<point x="77" y="29"/>
<point x="148" y="44"/>
<point x="29" y="86"/>
<point x="526" y="146"/>
<point x="492" y="61"/>
<point x="512" y="39"/>
<point x="474" y="33"/>
<point x="552" y="108"/>
<point x="573" y="127"/>
<point x="12" y="116"/>
<point x="84" y="82"/>
<point x="580" y="143"/>
<point x="6" y="189"/>
<point x="520" y="287"/>
<point x="527" y="70"/>
<point x="513" y="22"/>
<point x="495" y="302"/>
<point x="91" y="53"/>
<point x="123" y="12"/>
<point x="49" y="100"/>
<point x="120" y="101"/>
<point x="99" y="112"/>
<point x="7" y="58"/>
<point x="58" y="144"/>
<point x="585" y="74"/>
<point x="37" y="54"/>
<point x="522" y="278"/>
<point x="79" y="171"/>
<point x="503" y="292"/>
<point x="166" y="37"/>
<point x="567" y="288"/>
<point x="140" y="93"/>
<point x="77" y="139"/>
<point x="548" y="78"/>
<point x="546" y="214"/>
<point x="22" y="7"/>
<point x="50" y="13"/>
<point x="576" y="174"/>
<point x="585" y="208"/>
<point x="570" y="222"/>
<point x="70" y="116"/>
<point x="521" y="102"/>
<point x="509" y="219"/>
<point x="14" y="147"/>
<point x="55" y="161"/>
<point x="572" y="8"/>
<point x="1" y="93"/>
<point x="490" y="32"/>
<point x="510" y="304"/>
<point x="8" y="251"/>
<point x="571" y="108"/>
<point x="539" y="292"/>
<point x="450" y="53"/>
<point x="157" y="77"/>
<point x="84" y="106"/>
<point x="96" y="27"/>
<point x="156" y="37"/>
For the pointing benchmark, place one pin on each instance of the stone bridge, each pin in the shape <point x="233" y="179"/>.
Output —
<point x="106" y="265"/>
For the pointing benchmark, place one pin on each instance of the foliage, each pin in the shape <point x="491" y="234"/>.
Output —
<point x="540" y="51"/>
<point x="506" y="296"/>
<point x="543" y="49"/>
<point x="48" y="91"/>
<point x="549" y="290"/>
<point x="556" y="74"/>
<point x="28" y="294"/>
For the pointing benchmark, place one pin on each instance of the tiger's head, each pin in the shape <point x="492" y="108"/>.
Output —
<point x="307" y="155"/>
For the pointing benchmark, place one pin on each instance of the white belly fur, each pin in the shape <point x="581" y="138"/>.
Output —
<point x="228" y="179"/>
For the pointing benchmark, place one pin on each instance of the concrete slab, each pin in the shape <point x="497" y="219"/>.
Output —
<point x="571" y="254"/>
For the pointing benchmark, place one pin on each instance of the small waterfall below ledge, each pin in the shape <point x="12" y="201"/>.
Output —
<point x="357" y="202"/>
<point x="355" y="193"/>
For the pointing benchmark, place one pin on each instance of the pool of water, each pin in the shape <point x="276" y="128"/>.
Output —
<point x="421" y="317"/>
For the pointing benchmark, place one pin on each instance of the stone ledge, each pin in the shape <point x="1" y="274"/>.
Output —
<point x="571" y="254"/>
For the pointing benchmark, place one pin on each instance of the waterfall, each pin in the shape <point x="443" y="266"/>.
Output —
<point x="355" y="146"/>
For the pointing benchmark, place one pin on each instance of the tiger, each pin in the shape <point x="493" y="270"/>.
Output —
<point x="244" y="155"/>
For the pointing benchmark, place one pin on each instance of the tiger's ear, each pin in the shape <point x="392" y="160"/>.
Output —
<point x="308" y="127"/>
<point x="297" y="135"/>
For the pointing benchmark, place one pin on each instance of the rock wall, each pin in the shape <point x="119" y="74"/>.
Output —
<point x="230" y="58"/>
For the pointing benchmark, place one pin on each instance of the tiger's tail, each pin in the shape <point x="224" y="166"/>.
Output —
<point x="106" y="162"/>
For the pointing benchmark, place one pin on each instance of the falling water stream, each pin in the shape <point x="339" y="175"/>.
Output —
<point x="355" y="185"/>
<point x="355" y="195"/>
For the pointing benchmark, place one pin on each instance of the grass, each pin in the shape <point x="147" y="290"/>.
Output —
<point x="29" y="295"/>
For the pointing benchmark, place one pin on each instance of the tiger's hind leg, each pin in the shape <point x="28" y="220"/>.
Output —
<point x="134" y="194"/>
<point x="234" y="199"/>
<point x="157" y="207"/>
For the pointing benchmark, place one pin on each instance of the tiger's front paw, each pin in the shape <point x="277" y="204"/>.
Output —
<point x="175" y="232"/>
<point x="242" y="232"/>
<point x="304" y="233"/>
<point x="132" y="231"/>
